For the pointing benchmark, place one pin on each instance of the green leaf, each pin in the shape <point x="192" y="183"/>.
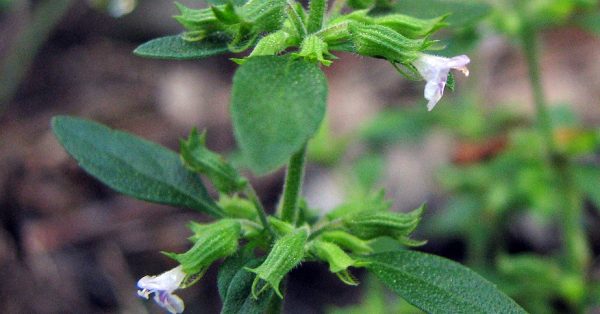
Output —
<point x="235" y="285"/>
<point x="132" y="165"/>
<point x="277" y="105"/>
<point x="438" y="285"/>
<point x="176" y="48"/>
<point x="463" y="12"/>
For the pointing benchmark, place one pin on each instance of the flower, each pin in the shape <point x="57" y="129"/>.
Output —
<point x="163" y="286"/>
<point x="435" y="71"/>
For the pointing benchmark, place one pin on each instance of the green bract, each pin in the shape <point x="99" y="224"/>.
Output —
<point x="337" y="259"/>
<point x="373" y="224"/>
<point x="198" y="158"/>
<point x="237" y="207"/>
<point x="287" y="253"/>
<point x="347" y="241"/>
<point x="383" y="42"/>
<point x="211" y="242"/>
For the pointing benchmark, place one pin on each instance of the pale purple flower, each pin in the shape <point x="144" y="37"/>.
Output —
<point x="435" y="71"/>
<point x="163" y="287"/>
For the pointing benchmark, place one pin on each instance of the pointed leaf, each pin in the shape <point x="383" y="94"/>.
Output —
<point x="131" y="165"/>
<point x="438" y="285"/>
<point x="277" y="105"/>
<point x="176" y="48"/>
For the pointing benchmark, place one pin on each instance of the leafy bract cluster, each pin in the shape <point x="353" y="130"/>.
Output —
<point x="278" y="103"/>
<point x="271" y="27"/>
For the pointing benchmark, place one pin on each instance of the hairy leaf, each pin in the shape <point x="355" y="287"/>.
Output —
<point x="438" y="285"/>
<point x="176" y="48"/>
<point x="131" y="165"/>
<point x="277" y="105"/>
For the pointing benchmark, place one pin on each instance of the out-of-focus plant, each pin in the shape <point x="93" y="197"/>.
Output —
<point x="507" y="165"/>
<point x="44" y="18"/>
<point x="278" y="102"/>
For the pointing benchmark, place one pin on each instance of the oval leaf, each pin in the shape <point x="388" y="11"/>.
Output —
<point x="131" y="165"/>
<point x="175" y="48"/>
<point x="438" y="285"/>
<point x="277" y="105"/>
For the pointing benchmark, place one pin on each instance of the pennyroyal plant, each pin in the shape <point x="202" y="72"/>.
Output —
<point x="278" y="103"/>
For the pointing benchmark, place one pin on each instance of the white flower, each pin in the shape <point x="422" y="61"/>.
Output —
<point x="435" y="71"/>
<point x="163" y="286"/>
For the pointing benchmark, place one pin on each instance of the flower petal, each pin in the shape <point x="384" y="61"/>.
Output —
<point x="170" y="302"/>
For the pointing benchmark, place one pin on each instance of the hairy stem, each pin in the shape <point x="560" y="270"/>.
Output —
<point x="293" y="186"/>
<point x="262" y="214"/>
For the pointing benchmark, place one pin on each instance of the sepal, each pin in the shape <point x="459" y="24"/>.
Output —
<point x="370" y="225"/>
<point x="383" y="42"/>
<point x="287" y="253"/>
<point x="197" y="158"/>
<point x="337" y="259"/>
<point x="212" y="242"/>
<point x="314" y="49"/>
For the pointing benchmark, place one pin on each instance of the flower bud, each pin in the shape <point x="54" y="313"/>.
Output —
<point x="212" y="241"/>
<point x="198" y="158"/>
<point x="370" y="225"/>
<point x="287" y="253"/>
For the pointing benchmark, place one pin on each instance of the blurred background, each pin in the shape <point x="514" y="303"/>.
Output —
<point x="68" y="244"/>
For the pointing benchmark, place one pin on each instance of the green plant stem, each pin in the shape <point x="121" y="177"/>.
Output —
<point x="480" y="240"/>
<point x="530" y="48"/>
<point x="293" y="186"/>
<point x="260" y="209"/>
<point x="575" y="245"/>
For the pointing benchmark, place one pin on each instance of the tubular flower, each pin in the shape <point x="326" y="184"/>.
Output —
<point x="163" y="287"/>
<point x="434" y="70"/>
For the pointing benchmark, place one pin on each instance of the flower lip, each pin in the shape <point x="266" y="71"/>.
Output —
<point x="163" y="287"/>
<point x="435" y="70"/>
